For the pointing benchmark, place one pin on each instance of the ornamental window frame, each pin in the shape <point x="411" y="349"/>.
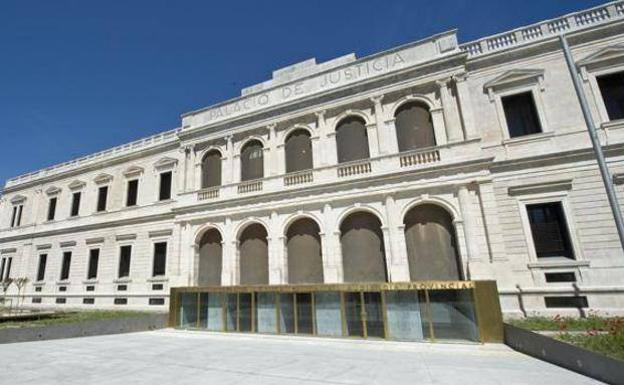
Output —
<point x="515" y="82"/>
<point x="606" y="61"/>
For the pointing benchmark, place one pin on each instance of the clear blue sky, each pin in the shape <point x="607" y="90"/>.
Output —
<point x="77" y="77"/>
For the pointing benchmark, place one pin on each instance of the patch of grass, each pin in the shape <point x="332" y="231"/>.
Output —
<point x="611" y="345"/>
<point x="592" y="322"/>
<point x="603" y="335"/>
<point x="72" y="317"/>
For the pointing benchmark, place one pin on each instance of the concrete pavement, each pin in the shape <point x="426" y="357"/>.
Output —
<point x="178" y="357"/>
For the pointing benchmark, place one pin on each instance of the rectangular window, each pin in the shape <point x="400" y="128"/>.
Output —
<point x="52" y="209"/>
<point x="521" y="114"/>
<point x="160" y="259"/>
<point x="102" y="197"/>
<point x="43" y="259"/>
<point x="5" y="270"/>
<point x="566" y="302"/>
<point x="560" y="277"/>
<point x="165" y="186"/>
<point x="66" y="265"/>
<point x="125" y="253"/>
<point x="88" y="301"/>
<point x="612" y="90"/>
<point x="133" y="191"/>
<point x="13" y="216"/>
<point x="550" y="230"/>
<point x="75" y="207"/>
<point x="120" y="301"/>
<point x="16" y="217"/>
<point x="94" y="256"/>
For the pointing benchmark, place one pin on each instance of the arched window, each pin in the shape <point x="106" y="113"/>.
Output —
<point x="252" y="164"/>
<point x="298" y="151"/>
<point x="351" y="139"/>
<point x="414" y="127"/>
<point x="303" y="243"/>
<point x="254" y="255"/>
<point x="363" y="254"/>
<point x="431" y="245"/>
<point x="210" y="259"/>
<point x="211" y="169"/>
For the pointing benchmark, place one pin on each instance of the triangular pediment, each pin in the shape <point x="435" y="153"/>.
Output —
<point x="165" y="162"/>
<point x="103" y="178"/>
<point x="515" y="76"/>
<point x="18" y="199"/>
<point x="52" y="190"/>
<point x="133" y="171"/>
<point x="602" y="55"/>
<point x="77" y="184"/>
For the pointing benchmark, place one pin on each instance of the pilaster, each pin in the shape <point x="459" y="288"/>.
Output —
<point x="465" y="106"/>
<point x="453" y="127"/>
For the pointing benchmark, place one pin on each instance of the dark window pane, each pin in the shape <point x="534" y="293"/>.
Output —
<point x="43" y="258"/>
<point x="414" y="128"/>
<point x="2" y="269"/>
<point x="612" y="90"/>
<point x="549" y="230"/>
<point x="66" y="264"/>
<point x="102" y="198"/>
<point x="52" y="208"/>
<point x="521" y="115"/>
<point x="566" y="302"/>
<point x="133" y="191"/>
<point x="94" y="256"/>
<point x="165" y="186"/>
<point x="351" y="140"/>
<point x="252" y="163"/>
<point x="211" y="169"/>
<point x="75" y="207"/>
<point x="19" y="215"/>
<point x="124" y="261"/>
<point x="160" y="259"/>
<point x="298" y="150"/>
<point x="8" y="268"/>
<point x="568" y="276"/>
<point x="13" y="216"/>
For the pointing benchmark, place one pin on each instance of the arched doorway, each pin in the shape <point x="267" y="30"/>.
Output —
<point x="298" y="148"/>
<point x="211" y="169"/>
<point x="210" y="259"/>
<point x="363" y="254"/>
<point x="431" y="244"/>
<point x="303" y="244"/>
<point x="351" y="139"/>
<point x="254" y="255"/>
<point x="414" y="127"/>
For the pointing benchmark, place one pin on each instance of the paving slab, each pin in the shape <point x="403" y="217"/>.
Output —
<point x="184" y="357"/>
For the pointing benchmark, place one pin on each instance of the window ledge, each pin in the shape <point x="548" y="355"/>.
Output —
<point x="557" y="263"/>
<point x="90" y="281"/>
<point x="63" y="282"/>
<point x="159" y="278"/>
<point x="122" y="280"/>
<point x="528" y="138"/>
<point x="38" y="283"/>
<point x="612" y="124"/>
<point x="163" y="202"/>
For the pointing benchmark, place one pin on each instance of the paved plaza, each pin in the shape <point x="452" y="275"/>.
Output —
<point x="178" y="357"/>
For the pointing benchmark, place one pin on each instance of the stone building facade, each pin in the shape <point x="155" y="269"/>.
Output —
<point x="431" y="161"/>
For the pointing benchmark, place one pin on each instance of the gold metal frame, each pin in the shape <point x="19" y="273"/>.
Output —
<point x="484" y="297"/>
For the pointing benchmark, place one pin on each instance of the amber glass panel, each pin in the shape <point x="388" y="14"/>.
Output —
<point x="453" y="315"/>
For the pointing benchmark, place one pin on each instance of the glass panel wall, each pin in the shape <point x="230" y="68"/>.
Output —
<point x="381" y="310"/>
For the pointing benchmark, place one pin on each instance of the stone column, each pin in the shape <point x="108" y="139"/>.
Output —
<point x="271" y="163"/>
<point x="373" y="140"/>
<point x="399" y="266"/>
<point x="465" y="106"/>
<point x="390" y="137"/>
<point x="182" y="175"/>
<point x="453" y="127"/>
<point x="439" y="127"/>
<point x="327" y="144"/>
<point x="332" y="258"/>
<point x="276" y="251"/>
<point x="228" y="254"/>
<point x="380" y="129"/>
<point x="228" y="168"/>
<point x="466" y="207"/>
